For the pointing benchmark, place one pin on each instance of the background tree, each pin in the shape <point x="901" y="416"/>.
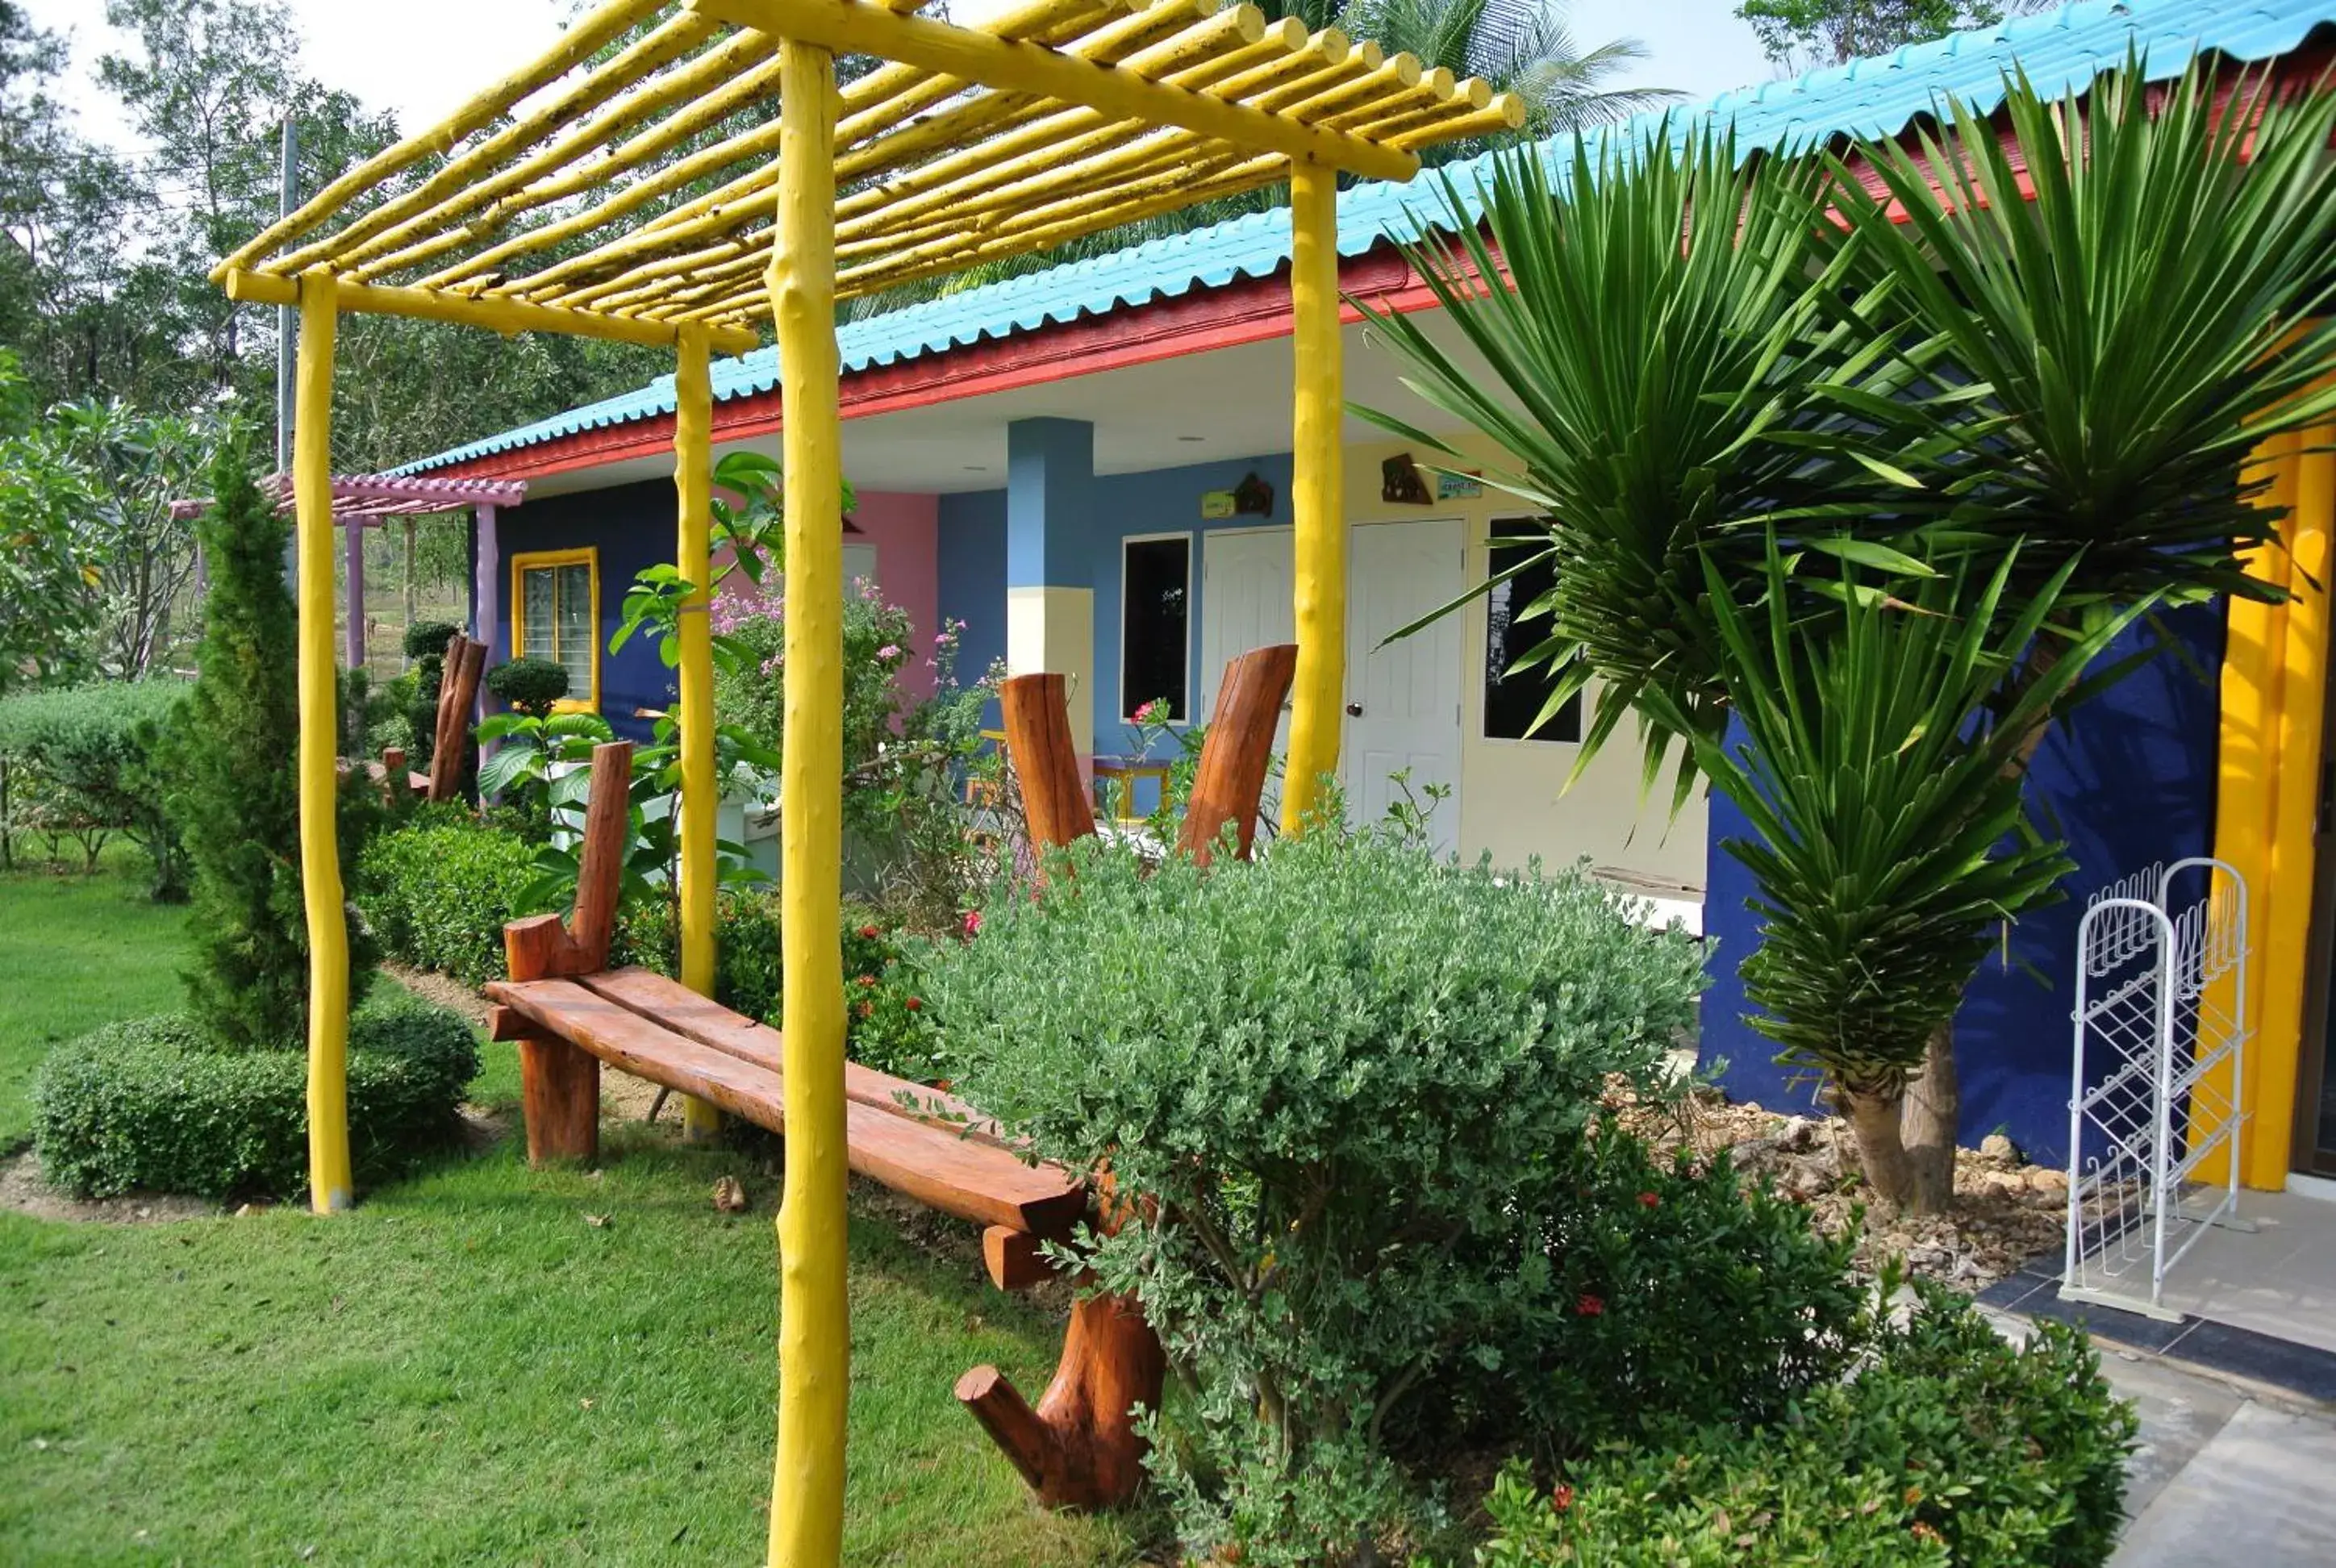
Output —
<point x="48" y="570"/>
<point x="1802" y="34"/>
<point x="232" y="752"/>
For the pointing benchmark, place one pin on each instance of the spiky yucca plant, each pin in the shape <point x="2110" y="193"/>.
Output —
<point x="2057" y="365"/>
<point x="1884" y="796"/>
<point x="1664" y="385"/>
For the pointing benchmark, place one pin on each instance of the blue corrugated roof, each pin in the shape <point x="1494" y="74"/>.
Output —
<point x="1876" y="97"/>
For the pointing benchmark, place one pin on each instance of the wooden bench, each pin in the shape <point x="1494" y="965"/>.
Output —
<point x="569" y="1013"/>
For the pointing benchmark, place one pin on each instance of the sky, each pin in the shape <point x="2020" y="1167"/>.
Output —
<point x="424" y="57"/>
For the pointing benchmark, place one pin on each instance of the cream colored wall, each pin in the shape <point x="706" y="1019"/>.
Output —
<point x="1514" y="801"/>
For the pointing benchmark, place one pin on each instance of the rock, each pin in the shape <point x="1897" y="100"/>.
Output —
<point x="1797" y="1133"/>
<point x="1996" y="1146"/>
<point x="2003" y="1182"/>
<point x="2045" y="1179"/>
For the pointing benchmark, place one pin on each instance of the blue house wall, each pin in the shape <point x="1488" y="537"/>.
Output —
<point x="1162" y="500"/>
<point x="2130" y="781"/>
<point x="631" y="525"/>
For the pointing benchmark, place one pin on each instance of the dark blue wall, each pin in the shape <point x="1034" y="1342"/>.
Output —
<point x="2129" y="780"/>
<point x="972" y="565"/>
<point x="633" y="526"/>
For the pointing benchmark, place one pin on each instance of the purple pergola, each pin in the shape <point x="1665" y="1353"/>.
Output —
<point x="362" y="500"/>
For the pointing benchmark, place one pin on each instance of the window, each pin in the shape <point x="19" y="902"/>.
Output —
<point x="1155" y="581"/>
<point x="858" y="565"/>
<point x="556" y="606"/>
<point x="1512" y="703"/>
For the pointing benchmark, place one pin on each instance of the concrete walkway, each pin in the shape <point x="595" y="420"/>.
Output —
<point x="2224" y="1475"/>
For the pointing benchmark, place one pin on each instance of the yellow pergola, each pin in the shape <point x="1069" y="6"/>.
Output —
<point x="634" y="184"/>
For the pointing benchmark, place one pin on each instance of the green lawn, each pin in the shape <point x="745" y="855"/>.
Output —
<point x="76" y="951"/>
<point x="466" y="1369"/>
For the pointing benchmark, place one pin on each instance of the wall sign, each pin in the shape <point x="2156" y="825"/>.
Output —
<point x="1459" y="486"/>
<point x="1402" y="484"/>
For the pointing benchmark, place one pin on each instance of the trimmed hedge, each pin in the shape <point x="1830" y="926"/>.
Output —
<point x="79" y="762"/>
<point x="438" y="892"/>
<point x="1953" y="1446"/>
<point x="151" y="1104"/>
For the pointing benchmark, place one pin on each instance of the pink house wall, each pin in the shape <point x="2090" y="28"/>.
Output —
<point x="905" y="529"/>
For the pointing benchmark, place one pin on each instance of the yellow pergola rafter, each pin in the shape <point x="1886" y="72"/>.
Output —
<point x="661" y="197"/>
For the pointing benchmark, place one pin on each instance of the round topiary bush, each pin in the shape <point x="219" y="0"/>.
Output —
<point x="428" y="638"/>
<point x="152" y="1104"/>
<point x="530" y="685"/>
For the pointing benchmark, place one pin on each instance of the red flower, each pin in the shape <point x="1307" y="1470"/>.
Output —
<point x="871" y="932"/>
<point x="867" y="979"/>
<point x="913" y="1003"/>
<point x="867" y="1009"/>
<point x="1588" y="1305"/>
<point x="1562" y="1498"/>
<point x="972" y="923"/>
<point x="1651" y="1200"/>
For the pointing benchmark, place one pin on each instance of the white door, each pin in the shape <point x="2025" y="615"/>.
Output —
<point x="1248" y="598"/>
<point x="1403" y="700"/>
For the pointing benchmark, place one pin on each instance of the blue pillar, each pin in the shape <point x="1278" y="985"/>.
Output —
<point x="1049" y="576"/>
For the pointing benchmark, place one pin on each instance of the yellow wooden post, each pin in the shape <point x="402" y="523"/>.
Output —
<point x="807" y="1486"/>
<point x="329" y="1183"/>
<point x="1318" y="484"/>
<point x="701" y="794"/>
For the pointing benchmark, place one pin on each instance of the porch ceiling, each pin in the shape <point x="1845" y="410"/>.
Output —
<point x="1226" y="402"/>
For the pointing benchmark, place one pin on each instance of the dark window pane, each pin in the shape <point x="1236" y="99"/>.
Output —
<point x="1158" y="582"/>
<point x="1511" y="702"/>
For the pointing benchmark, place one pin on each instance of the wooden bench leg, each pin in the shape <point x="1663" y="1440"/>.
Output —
<point x="559" y="1091"/>
<point x="1079" y="1448"/>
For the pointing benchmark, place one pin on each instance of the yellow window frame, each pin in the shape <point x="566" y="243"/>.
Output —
<point x="545" y="560"/>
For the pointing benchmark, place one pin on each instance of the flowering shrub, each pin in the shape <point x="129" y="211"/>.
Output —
<point x="883" y="1002"/>
<point x="904" y="760"/>
<point x="1353" y="1093"/>
<point x="875" y="634"/>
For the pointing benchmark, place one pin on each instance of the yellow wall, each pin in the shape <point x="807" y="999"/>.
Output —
<point x="2273" y="695"/>
<point x="1512" y="799"/>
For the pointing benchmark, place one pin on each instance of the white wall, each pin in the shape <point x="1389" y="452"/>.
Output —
<point x="1514" y="801"/>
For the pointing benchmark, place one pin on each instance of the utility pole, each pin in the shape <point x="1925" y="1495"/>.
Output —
<point x="288" y="337"/>
<point x="287" y="318"/>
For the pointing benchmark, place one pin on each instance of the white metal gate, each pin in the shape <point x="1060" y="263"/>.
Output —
<point x="2161" y="1031"/>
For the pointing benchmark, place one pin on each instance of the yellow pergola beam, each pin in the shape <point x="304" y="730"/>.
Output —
<point x="331" y="1187"/>
<point x="855" y="27"/>
<point x="504" y="316"/>
<point x="814" y="1314"/>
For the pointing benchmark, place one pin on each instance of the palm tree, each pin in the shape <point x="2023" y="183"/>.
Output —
<point x="1521" y="46"/>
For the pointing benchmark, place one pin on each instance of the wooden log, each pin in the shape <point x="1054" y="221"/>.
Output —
<point x="601" y="864"/>
<point x="558" y="1085"/>
<point x="1239" y="750"/>
<point x="1079" y="1448"/>
<point x="1038" y="719"/>
<point x="459" y="687"/>
<point x="560" y="1095"/>
<point x="1014" y="1258"/>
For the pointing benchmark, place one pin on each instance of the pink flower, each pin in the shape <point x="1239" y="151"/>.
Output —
<point x="972" y="923"/>
<point x="888" y="653"/>
<point x="1143" y="712"/>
